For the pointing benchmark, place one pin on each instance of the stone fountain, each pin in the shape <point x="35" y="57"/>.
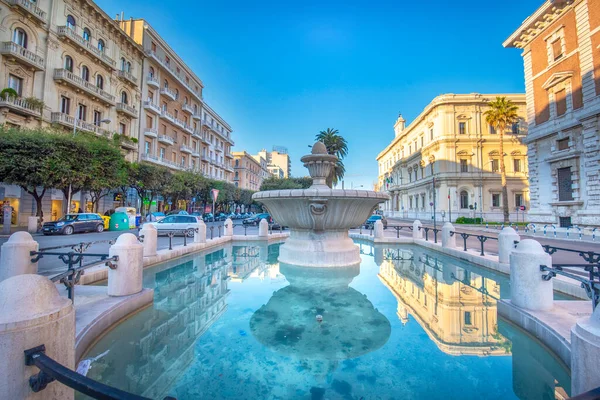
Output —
<point x="319" y="217"/>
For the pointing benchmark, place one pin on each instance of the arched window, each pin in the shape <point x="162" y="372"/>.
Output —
<point x="237" y="163"/>
<point x="151" y="72"/>
<point x="69" y="63"/>
<point x="99" y="82"/>
<point x="128" y="67"/>
<point x="20" y="37"/>
<point x="166" y="84"/>
<point x="176" y="94"/>
<point x="71" y="22"/>
<point x="124" y="97"/>
<point x="195" y="108"/>
<point x="87" y="35"/>
<point x="101" y="45"/>
<point x="185" y="100"/>
<point x="464" y="199"/>
<point x="123" y="64"/>
<point x="85" y="73"/>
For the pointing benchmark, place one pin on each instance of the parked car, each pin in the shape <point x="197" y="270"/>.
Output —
<point x="255" y="220"/>
<point x="74" y="223"/>
<point x="178" y="212"/>
<point x="208" y="217"/>
<point x="183" y="223"/>
<point x="369" y="223"/>
<point x="220" y="217"/>
<point x="276" y="226"/>
<point x="155" y="216"/>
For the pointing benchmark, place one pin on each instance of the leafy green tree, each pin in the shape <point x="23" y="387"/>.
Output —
<point x="149" y="181"/>
<point x="501" y="114"/>
<point x="105" y="169"/>
<point x="338" y="146"/>
<point x="274" y="183"/>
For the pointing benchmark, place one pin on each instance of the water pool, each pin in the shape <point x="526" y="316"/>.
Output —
<point x="406" y="323"/>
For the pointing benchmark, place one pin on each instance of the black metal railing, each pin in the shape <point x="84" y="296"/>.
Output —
<point x="593" y="394"/>
<point x="398" y="228"/>
<point x="244" y="226"/>
<point x="434" y="230"/>
<point x="482" y="239"/>
<point x="589" y="257"/>
<point x="186" y="233"/>
<point x="51" y="371"/>
<point x="591" y="284"/>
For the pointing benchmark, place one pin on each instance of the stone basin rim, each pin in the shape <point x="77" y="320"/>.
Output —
<point x="309" y="194"/>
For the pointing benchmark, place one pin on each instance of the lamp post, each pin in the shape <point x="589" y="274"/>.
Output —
<point x="75" y="122"/>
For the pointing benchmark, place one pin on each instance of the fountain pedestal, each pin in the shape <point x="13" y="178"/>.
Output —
<point x="327" y="248"/>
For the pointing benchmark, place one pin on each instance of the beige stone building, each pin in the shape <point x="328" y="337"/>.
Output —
<point x="178" y="129"/>
<point x="70" y="56"/>
<point x="249" y="170"/>
<point x="561" y="62"/>
<point x="451" y="142"/>
<point x="279" y="157"/>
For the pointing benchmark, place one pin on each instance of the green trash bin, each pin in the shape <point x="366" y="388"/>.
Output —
<point x="119" y="221"/>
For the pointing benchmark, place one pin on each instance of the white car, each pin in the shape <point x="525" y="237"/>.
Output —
<point x="181" y="223"/>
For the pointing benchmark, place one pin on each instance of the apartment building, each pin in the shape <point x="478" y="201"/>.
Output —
<point x="279" y="157"/>
<point x="70" y="65"/>
<point x="276" y="171"/>
<point x="451" y="142"/>
<point x="179" y="130"/>
<point x="249" y="171"/>
<point x="559" y="44"/>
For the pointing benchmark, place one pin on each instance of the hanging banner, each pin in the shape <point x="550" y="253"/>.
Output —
<point x="215" y="194"/>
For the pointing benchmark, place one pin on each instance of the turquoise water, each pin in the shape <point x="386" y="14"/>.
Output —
<point x="406" y="323"/>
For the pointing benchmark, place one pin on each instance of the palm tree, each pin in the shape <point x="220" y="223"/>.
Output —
<point x="336" y="145"/>
<point x="502" y="113"/>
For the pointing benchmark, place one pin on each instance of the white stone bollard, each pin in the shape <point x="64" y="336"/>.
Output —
<point x="126" y="279"/>
<point x="527" y="288"/>
<point x="200" y="236"/>
<point x="448" y="238"/>
<point x="228" y="227"/>
<point x="32" y="224"/>
<point x="417" y="232"/>
<point x="263" y="228"/>
<point x="150" y="239"/>
<point x="506" y="244"/>
<point x="14" y="255"/>
<point x="585" y="353"/>
<point x="34" y="314"/>
<point x="378" y="229"/>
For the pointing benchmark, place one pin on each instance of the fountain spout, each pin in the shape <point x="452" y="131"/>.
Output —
<point x="319" y="164"/>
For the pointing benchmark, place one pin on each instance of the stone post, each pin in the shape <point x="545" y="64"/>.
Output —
<point x="32" y="224"/>
<point x="126" y="279"/>
<point x="263" y="228"/>
<point x="527" y="288"/>
<point x="150" y="239"/>
<point x="15" y="258"/>
<point x="378" y="229"/>
<point x="417" y="232"/>
<point x="34" y="314"/>
<point x="448" y="238"/>
<point x="200" y="236"/>
<point x="585" y="353"/>
<point x="228" y="227"/>
<point x="378" y="255"/>
<point x="506" y="244"/>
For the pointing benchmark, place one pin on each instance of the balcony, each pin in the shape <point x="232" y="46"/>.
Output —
<point x="187" y="109"/>
<point x="70" y="34"/>
<point x="185" y="149"/>
<point x="15" y="52"/>
<point x="168" y="93"/>
<point x="127" y="110"/>
<point x="150" y="132"/>
<point x="153" y="108"/>
<point x="197" y="117"/>
<point x="127" y="77"/>
<point x="167" y="115"/>
<point x="195" y="154"/>
<point x="179" y="122"/>
<point x="152" y="81"/>
<point x="164" y="139"/>
<point x="127" y="143"/>
<point x="30" y="9"/>
<point x="197" y="135"/>
<point x="79" y="84"/>
<point x="161" y="161"/>
<point x="188" y="128"/>
<point x="20" y="106"/>
<point x="219" y="149"/>
<point x="204" y="158"/>
<point x="228" y="154"/>
<point x="174" y="73"/>
<point x="68" y="121"/>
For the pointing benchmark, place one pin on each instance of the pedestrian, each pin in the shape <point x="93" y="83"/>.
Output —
<point x="79" y="211"/>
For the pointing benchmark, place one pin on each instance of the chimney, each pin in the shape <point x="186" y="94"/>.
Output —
<point x="117" y="17"/>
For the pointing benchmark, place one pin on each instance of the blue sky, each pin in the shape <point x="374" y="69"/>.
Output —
<point x="280" y="71"/>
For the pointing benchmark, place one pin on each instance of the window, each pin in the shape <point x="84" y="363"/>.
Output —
<point x="175" y="113"/>
<point x="99" y="82"/>
<point x="462" y="128"/>
<point x="151" y="72"/>
<point x="557" y="49"/>
<point x="122" y="129"/>
<point x="183" y="160"/>
<point x="86" y="34"/>
<point x="431" y="134"/>
<point x="176" y="94"/>
<point x="517" y="165"/>
<point x="185" y="100"/>
<point x="166" y="84"/>
<point x="495" y="167"/>
<point x="128" y="67"/>
<point x="492" y="130"/>
<point x="495" y="199"/>
<point x="519" y="199"/>
<point x="515" y="128"/>
<point x="82" y="112"/>
<point x="85" y="73"/>
<point x="149" y="121"/>
<point x="563" y="144"/>
<point x="237" y="163"/>
<point x="97" y="117"/>
<point x="124" y="99"/>
<point x="565" y="222"/>
<point x="153" y="46"/>
<point x="65" y="105"/>
<point x="123" y="63"/>
<point x="422" y="141"/>
<point x="468" y="318"/>
<point x="162" y="153"/>
<point x="101" y="45"/>
<point x="464" y="166"/>
<point x="464" y="199"/>
<point x="69" y="63"/>
<point x="147" y="146"/>
<point x="560" y="99"/>
<point x="167" y="60"/>
<point x="15" y="83"/>
<point x="410" y="201"/>
<point x="20" y="37"/>
<point x="71" y="22"/>
<point x="565" y="184"/>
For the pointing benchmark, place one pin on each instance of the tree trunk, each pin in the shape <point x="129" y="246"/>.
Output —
<point x="38" y="197"/>
<point x="503" y="177"/>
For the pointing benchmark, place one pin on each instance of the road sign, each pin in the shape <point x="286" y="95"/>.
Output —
<point x="522" y="208"/>
<point x="215" y="194"/>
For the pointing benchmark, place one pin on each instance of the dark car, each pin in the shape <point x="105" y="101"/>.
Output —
<point x="220" y="217"/>
<point x="208" y="217"/>
<point x="255" y="220"/>
<point x="369" y="223"/>
<point x="276" y="226"/>
<point x="74" y="223"/>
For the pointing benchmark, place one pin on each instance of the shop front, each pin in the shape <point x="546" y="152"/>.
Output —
<point x="10" y="195"/>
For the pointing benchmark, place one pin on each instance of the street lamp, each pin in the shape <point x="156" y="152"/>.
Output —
<point x="75" y="122"/>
